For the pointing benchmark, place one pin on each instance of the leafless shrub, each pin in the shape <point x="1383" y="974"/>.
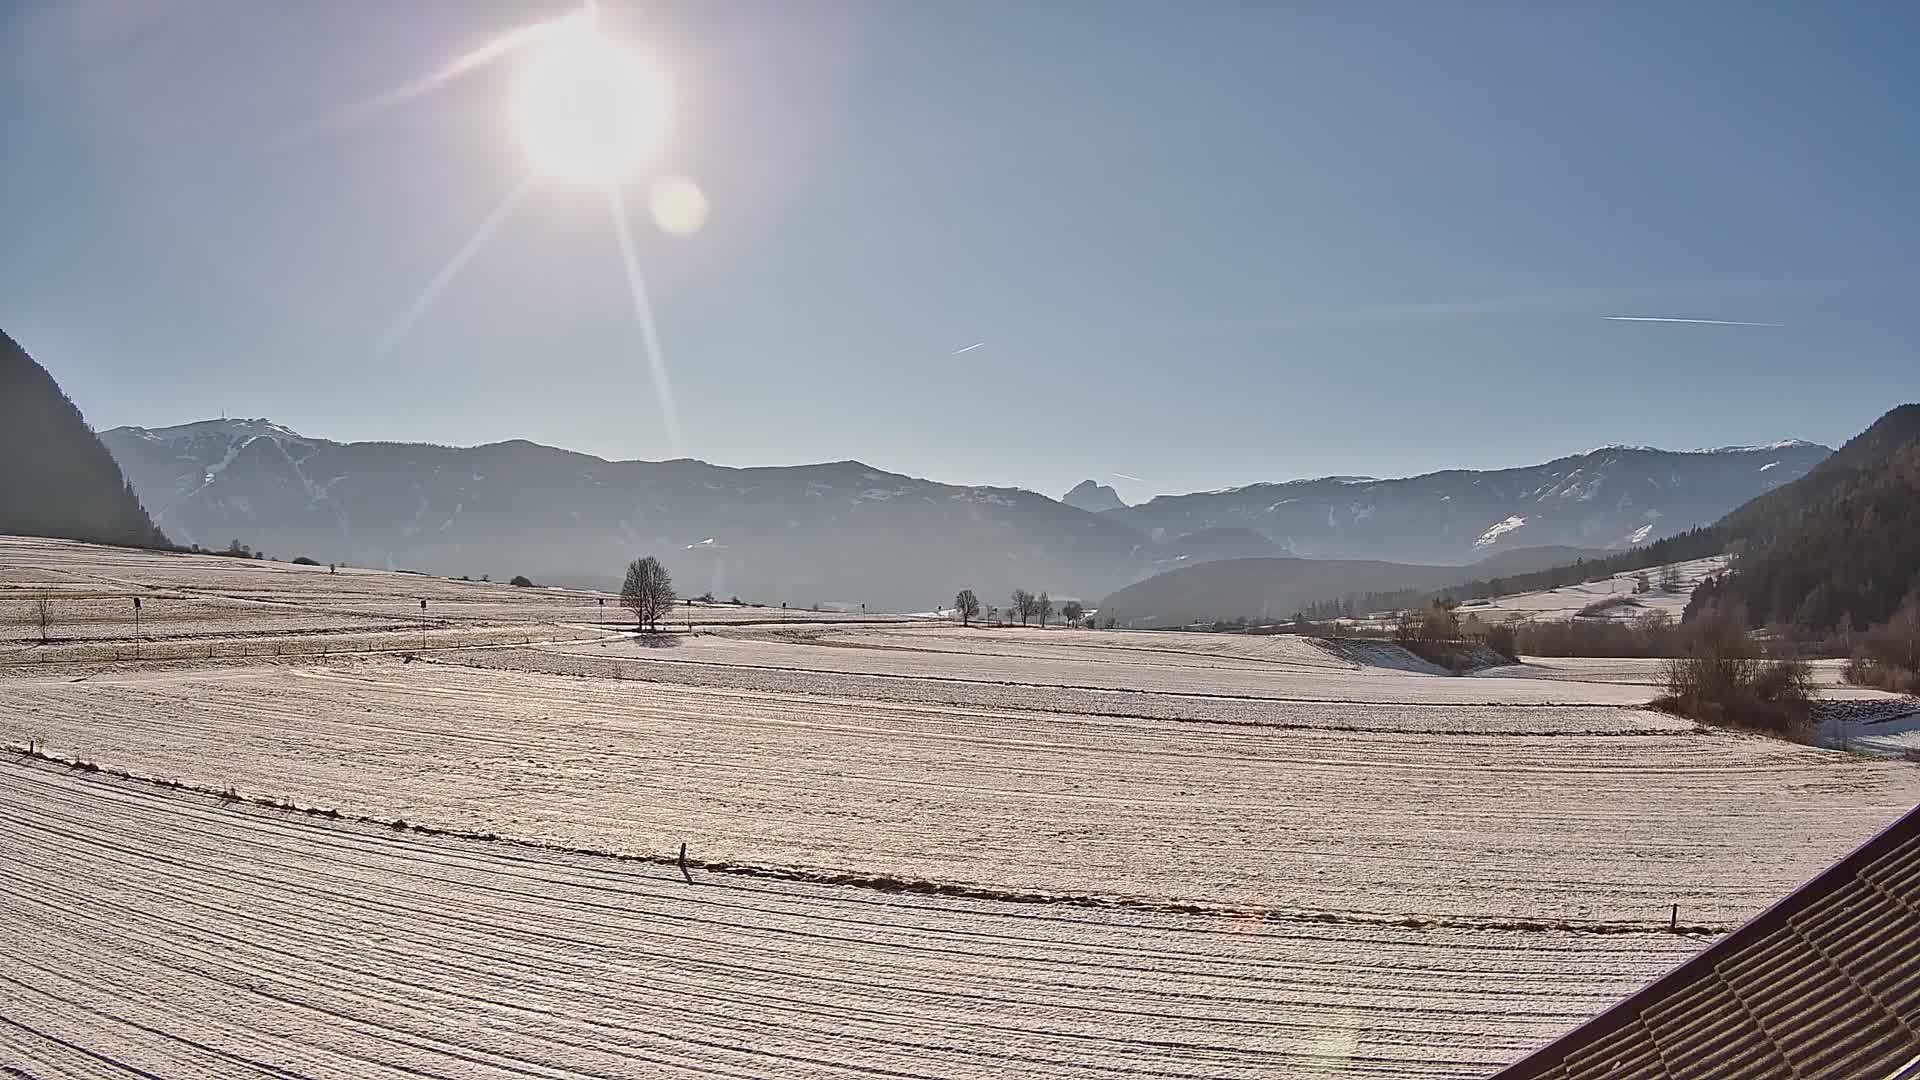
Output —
<point x="1435" y="622"/>
<point x="1720" y="678"/>
<point x="1888" y="656"/>
<point x="1503" y="639"/>
<point x="1606" y="604"/>
<point x="1654" y="634"/>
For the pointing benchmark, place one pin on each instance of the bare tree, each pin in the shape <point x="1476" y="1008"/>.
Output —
<point x="1043" y="608"/>
<point x="647" y="592"/>
<point x="966" y="605"/>
<point x="1670" y="580"/>
<point x="1073" y="612"/>
<point x="43" y="615"/>
<point x="1022" y="605"/>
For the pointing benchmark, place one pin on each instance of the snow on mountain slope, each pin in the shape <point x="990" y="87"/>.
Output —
<point x="1611" y="497"/>
<point x="827" y="533"/>
<point x="1569" y="601"/>
<point x="847" y="532"/>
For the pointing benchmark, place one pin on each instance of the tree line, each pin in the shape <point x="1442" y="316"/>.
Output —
<point x="1843" y="566"/>
<point x="1022" y="605"/>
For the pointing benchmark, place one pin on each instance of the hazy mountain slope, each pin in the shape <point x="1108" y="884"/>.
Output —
<point x="1525" y="560"/>
<point x="841" y="532"/>
<point x="1614" y="497"/>
<point x="844" y="532"/>
<point x="1263" y="589"/>
<point x="1275" y="588"/>
<point x="1866" y="453"/>
<point x="56" y="479"/>
<point x="1224" y="543"/>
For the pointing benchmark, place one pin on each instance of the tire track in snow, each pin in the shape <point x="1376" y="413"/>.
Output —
<point x="361" y="936"/>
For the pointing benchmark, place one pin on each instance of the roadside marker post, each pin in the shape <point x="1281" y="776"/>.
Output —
<point x="136" y="628"/>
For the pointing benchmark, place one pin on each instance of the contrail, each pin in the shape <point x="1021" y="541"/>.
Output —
<point x="1702" y="322"/>
<point x="465" y="64"/>
<point x="1124" y="476"/>
<point x="643" y="310"/>
<point x="969" y="348"/>
<point x="454" y="265"/>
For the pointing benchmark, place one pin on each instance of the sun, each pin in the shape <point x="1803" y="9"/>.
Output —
<point x="587" y="108"/>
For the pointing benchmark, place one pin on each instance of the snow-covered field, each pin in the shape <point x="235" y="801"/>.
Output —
<point x="1133" y="662"/>
<point x="185" y="937"/>
<point x="1568" y="601"/>
<point x="207" y="606"/>
<point x="993" y="852"/>
<point x="1421" y="811"/>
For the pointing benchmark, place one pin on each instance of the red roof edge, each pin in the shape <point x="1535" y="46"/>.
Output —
<point x="1628" y="1010"/>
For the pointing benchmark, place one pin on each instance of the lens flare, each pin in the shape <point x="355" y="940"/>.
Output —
<point x="587" y="108"/>
<point x="678" y="205"/>
<point x="643" y="313"/>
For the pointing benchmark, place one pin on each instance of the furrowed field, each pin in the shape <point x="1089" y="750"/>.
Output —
<point x="313" y="836"/>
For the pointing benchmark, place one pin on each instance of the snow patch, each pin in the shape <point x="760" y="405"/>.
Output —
<point x="1777" y="444"/>
<point x="1499" y="529"/>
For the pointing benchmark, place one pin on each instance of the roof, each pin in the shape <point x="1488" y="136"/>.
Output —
<point x="1826" y="983"/>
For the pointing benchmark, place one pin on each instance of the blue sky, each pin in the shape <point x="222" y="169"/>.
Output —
<point x="1203" y="244"/>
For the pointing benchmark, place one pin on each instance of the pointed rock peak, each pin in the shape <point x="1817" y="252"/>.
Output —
<point x="1093" y="498"/>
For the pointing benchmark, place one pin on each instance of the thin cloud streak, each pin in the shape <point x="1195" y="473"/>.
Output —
<point x="968" y="348"/>
<point x="452" y="270"/>
<point x="643" y="310"/>
<point x="1698" y="322"/>
<point x="1547" y="302"/>
<point x="1124" y="476"/>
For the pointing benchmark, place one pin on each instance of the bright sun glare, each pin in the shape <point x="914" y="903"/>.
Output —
<point x="587" y="108"/>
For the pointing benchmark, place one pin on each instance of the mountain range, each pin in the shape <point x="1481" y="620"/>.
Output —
<point x="1833" y="553"/>
<point x="849" y="533"/>
<point x="1612" y="497"/>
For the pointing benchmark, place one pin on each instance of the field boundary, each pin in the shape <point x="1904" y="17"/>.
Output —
<point x="35" y="757"/>
<point x="1194" y="694"/>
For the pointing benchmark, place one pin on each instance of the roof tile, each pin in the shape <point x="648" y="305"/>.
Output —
<point x="1824" y="985"/>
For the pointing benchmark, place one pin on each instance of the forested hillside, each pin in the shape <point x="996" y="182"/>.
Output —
<point x="1838" y="550"/>
<point x="56" y="479"/>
